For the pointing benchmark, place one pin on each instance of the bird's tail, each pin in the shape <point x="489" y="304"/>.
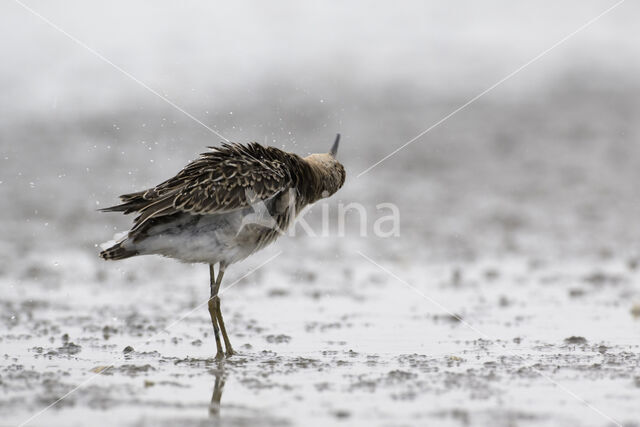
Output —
<point x="116" y="252"/>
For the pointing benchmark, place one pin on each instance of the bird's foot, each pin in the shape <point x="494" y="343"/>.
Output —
<point x="219" y="356"/>
<point x="231" y="352"/>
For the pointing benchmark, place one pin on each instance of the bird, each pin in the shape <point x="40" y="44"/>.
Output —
<point x="230" y="202"/>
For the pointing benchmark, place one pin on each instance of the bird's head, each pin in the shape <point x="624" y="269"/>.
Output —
<point x="329" y="170"/>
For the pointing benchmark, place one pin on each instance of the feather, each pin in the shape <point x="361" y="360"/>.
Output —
<point x="217" y="182"/>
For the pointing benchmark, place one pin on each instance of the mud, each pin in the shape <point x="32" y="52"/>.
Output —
<point x="511" y="294"/>
<point x="374" y="352"/>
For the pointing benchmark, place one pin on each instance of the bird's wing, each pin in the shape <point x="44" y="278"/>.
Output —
<point x="224" y="179"/>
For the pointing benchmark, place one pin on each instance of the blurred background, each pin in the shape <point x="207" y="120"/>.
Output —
<point x="550" y="156"/>
<point x="541" y="169"/>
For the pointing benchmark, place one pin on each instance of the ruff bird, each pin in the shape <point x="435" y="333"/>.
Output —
<point x="229" y="203"/>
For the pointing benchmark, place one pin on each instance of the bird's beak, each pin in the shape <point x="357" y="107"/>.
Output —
<point x="334" y="149"/>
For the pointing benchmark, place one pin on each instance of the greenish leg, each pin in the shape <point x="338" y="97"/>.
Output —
<point x="212" y="312"/>
<point x="218" y="310"/>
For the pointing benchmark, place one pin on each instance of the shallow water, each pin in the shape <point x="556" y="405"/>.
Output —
<point x="510" y="296"/>
<point x="332" y="344"/>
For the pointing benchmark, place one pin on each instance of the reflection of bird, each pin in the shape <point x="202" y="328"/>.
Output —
<point x="207" y="213"/>
<point x="216" y="396"/>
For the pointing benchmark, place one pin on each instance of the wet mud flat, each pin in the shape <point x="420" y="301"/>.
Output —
<point x="506" y="341"/>
<point x="510" y="298"/>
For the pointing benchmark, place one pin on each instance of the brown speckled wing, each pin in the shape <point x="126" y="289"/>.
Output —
<point x="225" y="179"/>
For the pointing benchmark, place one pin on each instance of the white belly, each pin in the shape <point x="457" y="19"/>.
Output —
<point x="207" y="239"/>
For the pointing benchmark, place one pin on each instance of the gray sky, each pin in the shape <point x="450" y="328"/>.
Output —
<point x="200" y="52"/>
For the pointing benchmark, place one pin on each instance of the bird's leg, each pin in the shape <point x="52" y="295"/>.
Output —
<point x="212" y="311"/>
<point x="216" y="298"/>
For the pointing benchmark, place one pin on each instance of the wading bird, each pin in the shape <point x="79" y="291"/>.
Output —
<point x="224" y="206"/>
